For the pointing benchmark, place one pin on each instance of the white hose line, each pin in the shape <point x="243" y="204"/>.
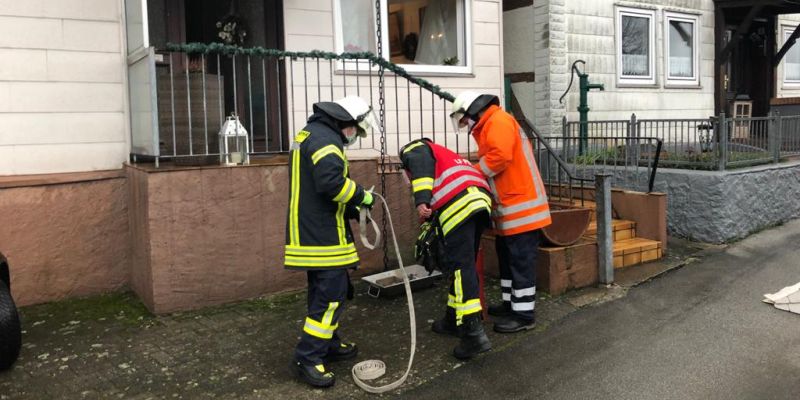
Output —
<point x="373" y="369"/>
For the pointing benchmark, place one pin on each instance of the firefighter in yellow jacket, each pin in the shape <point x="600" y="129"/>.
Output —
<point x="520" y="209"/>
<point x="318" y="237"/>
<point x="447" y="189"/>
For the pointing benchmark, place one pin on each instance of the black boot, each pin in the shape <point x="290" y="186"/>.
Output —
<point x="514" y="324"/>
<point x="344" y="351"/>
<point x="473" y="338"/>
<point x="317" y="376"/>
<point x="447" y="324"/>
<point x="502" y="309"/>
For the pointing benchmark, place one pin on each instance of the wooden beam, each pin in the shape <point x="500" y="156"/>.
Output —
<point x="509" y="5"/>
<point x="786" y="46"/>
<point x="740" y="32"/>
<point x="516" y="77"/>
<point x="747" y="3"/>
<point x="719" y="67"/>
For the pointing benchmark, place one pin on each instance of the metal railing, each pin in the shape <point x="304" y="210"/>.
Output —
<point x="561" y="185"/>
<point x="273" y="93"/>
<point x="632" y="161"/>
<point x="714" y="143"/>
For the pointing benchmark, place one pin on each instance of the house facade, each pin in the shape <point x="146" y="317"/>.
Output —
<point x="659" y="59"/>
<point x="91" y="99"/>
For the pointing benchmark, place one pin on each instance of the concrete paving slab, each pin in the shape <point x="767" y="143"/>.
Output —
<point x="110" y="346"/>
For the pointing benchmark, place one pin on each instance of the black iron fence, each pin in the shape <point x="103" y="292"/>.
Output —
<point x="714" y="143"/>
<point x="271" y="93"/>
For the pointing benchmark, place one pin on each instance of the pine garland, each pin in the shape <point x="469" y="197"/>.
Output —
<point x="220" y="48"/>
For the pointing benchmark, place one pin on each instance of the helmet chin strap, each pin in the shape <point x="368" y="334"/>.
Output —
<point x="470" y="127"/>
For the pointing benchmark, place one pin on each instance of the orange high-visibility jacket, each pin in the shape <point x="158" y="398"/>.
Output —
<point x="506" y="159"/>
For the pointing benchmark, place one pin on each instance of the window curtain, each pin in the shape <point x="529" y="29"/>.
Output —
<point x="635" y="46"/>
<point x="358" y="25"/>
<point x="792" y="61"/>
<point x="438" y="38"/>
<point x="681" y="52"/>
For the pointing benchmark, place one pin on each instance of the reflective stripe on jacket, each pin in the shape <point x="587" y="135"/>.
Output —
<point x="506" y="159"/>
<point x="445" y="181"/>
<point x="321" y="193"/>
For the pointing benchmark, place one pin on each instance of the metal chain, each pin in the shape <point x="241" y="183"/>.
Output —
<point x="382" y="113"/>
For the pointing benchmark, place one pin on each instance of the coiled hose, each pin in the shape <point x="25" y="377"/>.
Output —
<point x="373" y="369"/>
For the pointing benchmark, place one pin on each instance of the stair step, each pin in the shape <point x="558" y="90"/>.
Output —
<point x="635" y="251"/>
<point x="617" y="225"/>
<point x="584" y="203"/>
<point x="590" y="205"/>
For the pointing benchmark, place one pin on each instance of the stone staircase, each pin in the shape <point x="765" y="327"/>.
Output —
<point x="629" y="250"/>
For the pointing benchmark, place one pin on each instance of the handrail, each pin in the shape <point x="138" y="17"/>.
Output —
<point x="532" y="133"/>
<point x="655" y="165"/>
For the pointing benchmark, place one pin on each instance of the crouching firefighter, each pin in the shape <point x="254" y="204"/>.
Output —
<point x="452" y="193"/>
<point x="318" y="238"/>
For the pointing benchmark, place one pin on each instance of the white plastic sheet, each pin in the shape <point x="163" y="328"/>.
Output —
<point x="787" y="299"/>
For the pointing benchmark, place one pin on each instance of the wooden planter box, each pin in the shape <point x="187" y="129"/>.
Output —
<point x="558" y="269"/>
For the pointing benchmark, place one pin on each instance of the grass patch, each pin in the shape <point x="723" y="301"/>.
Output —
<point x="123" y="307"/>
<point x="280" y="301"/>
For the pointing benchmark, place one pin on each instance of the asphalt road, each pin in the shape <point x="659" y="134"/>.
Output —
<point x="700" y="332"/>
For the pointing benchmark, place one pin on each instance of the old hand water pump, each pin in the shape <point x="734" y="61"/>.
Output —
<point x="583" y="106"/>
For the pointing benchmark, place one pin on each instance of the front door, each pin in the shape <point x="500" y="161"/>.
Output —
<point x="748" y="72"/>
<point x="252" y="89"/>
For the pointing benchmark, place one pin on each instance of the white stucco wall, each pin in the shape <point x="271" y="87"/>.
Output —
<point x="782" y="89"/>
<point x="62" y="86"/>
<point x="591" y="36"/>
<point x="518" y="50"/>
<point x="309" y="25"/>
<point x="567" y="30"/>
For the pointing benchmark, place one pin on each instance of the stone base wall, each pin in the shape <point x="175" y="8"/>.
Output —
<point x="718" y="207"/>
<point x="213" y="235"/>
<point x="65" y="235"/>
<point x="724" y="206"/>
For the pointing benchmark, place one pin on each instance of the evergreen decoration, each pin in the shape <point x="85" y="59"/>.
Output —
<point x="220" y="48"/>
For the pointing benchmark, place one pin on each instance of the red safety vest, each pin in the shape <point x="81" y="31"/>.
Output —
<point x="452" y="176"/>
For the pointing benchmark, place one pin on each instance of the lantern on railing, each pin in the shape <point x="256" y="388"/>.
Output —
<point x="234" y="148"/>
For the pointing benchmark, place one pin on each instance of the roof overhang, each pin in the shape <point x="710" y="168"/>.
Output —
<point x="770" y="7"/>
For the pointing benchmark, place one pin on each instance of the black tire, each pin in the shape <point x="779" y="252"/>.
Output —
<point x="10" y="332"/>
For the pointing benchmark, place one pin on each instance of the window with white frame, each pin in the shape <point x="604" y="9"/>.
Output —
<point x="791" y="60"/>
<point x="421" y="35"/>
<point x="635" y="46"/>
<point x="681" y="49"/>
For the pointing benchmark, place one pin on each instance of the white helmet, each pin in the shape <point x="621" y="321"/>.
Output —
<point x="469" y="103"/>
<point x="361" y="112"/>
<point x="351" y="108"/>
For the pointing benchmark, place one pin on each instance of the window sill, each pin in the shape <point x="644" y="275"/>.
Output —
<point x="13" y="181"/>
<point x="420" y="74"/>
<point x="363" y="69"/>
<point x="637" y="85"/>
<point x="692" y="86"/>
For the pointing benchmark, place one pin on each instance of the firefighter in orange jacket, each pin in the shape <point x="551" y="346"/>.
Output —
<point x="448" y="189"/>
<point x="520" y="210"/>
